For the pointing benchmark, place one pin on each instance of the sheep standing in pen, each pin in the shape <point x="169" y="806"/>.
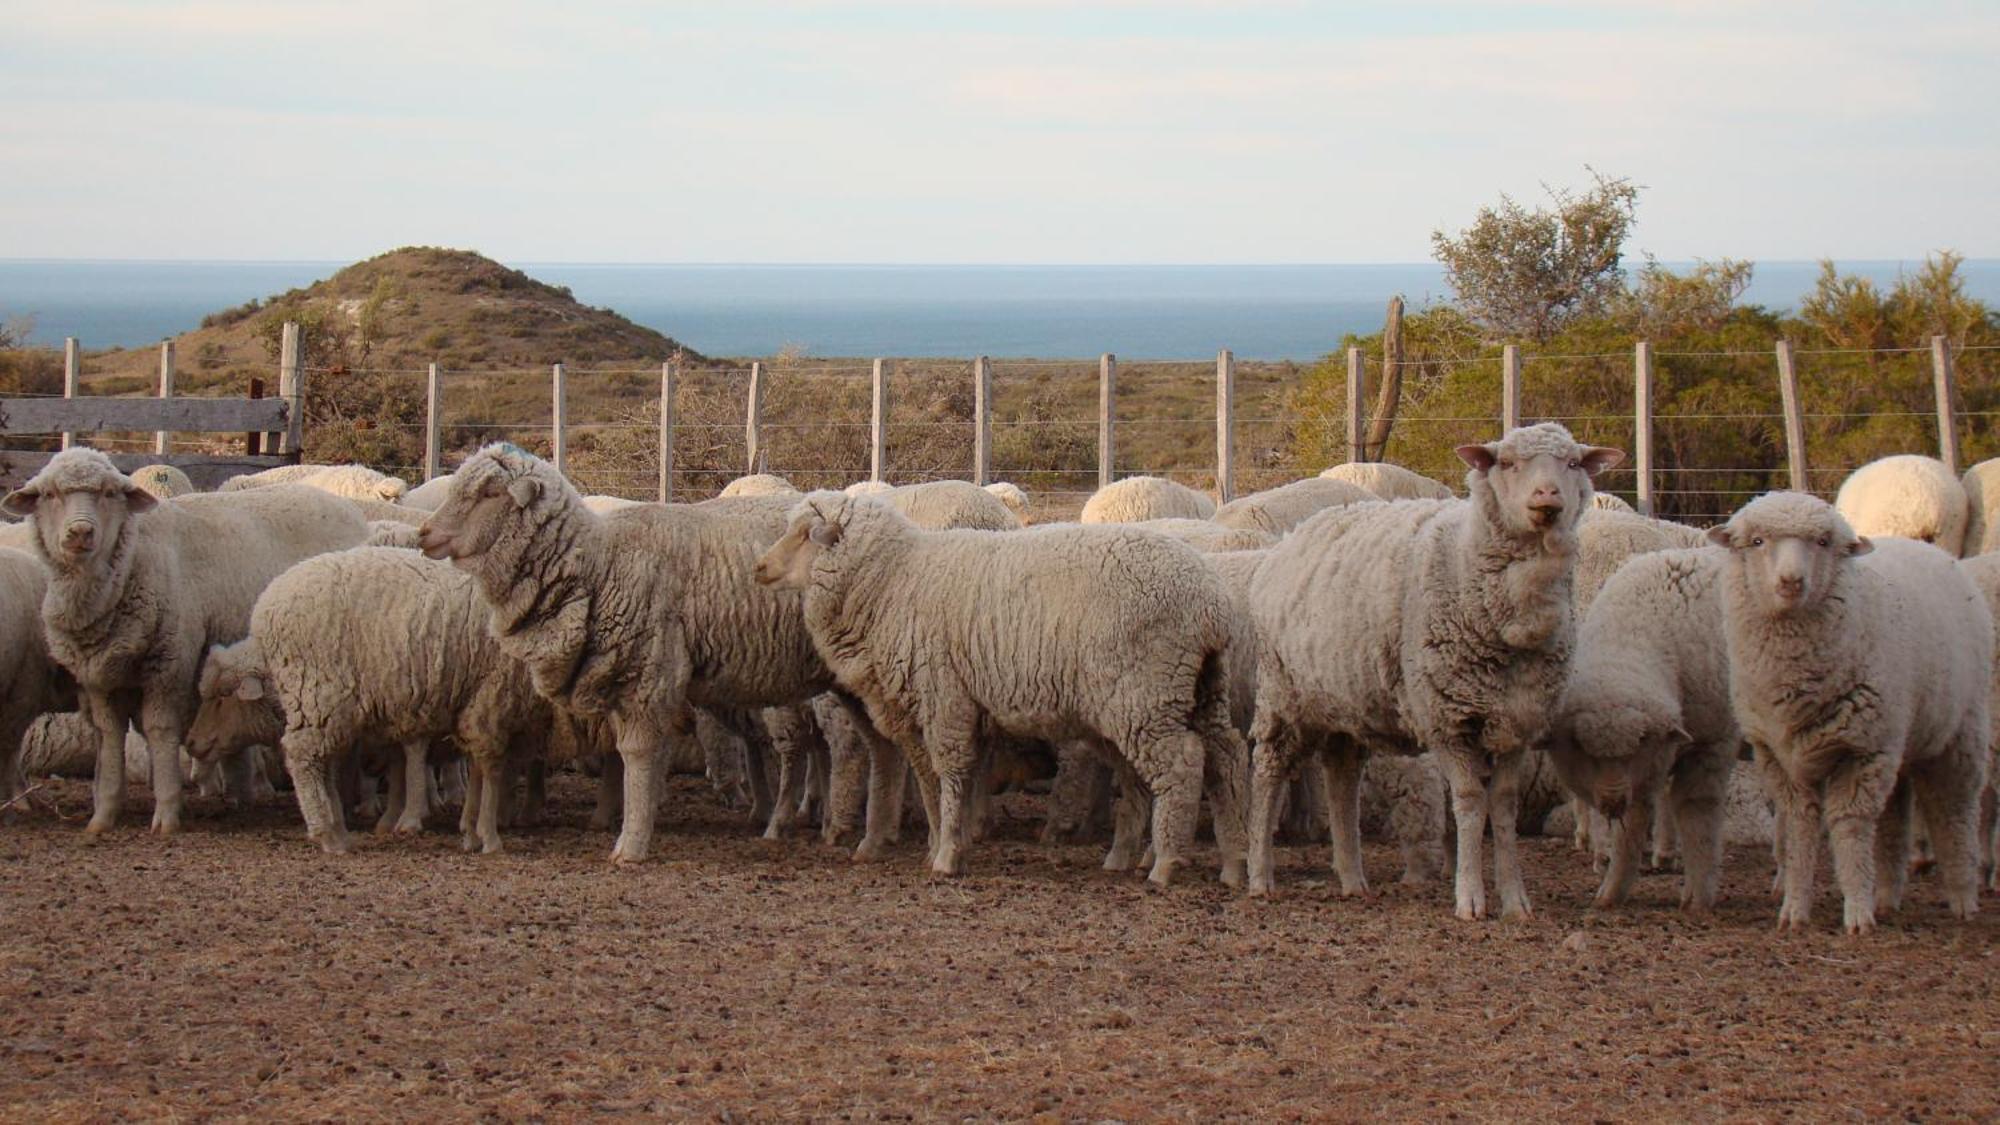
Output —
<point x="30" y="682"/>
<point x="1276" y="511"/>
<point x="356" y="482"/>
<point x="941" y="504"/>
<point x="140" y="588"/>
<point x="1435" y="625"/>
<point x="1984" y="572"/>
<point x="1862" y="675"/>
<point x="1388" y="482"/>
<point x="930" y="631"/>
<point x="638" y="615"/>
<point x="1908" y="496"/>
<point x="1013" y="496"/>
<point x="757" y="484"/>
<point x="163" y="481"/>
<point x="1145" y="498"/>
<point x="1982" y="501"/>
<point x="1207" y="536"/>
<point x="1646" y="713"/>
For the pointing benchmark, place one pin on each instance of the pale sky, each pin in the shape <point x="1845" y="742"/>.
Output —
<point x="1022" y="131"/>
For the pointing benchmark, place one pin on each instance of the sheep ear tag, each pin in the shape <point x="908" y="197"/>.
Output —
<point x="524" y="491"/>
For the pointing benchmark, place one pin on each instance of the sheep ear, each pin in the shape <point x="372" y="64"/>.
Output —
<point x="1720" y="536"/>
<point x="824" y="533"/>
<point x="139" y="500"/>
<point x="1599" y="458"/>
<point x="20" y="502"/>
<point x="1480" y="457"/>
<point x="524" y="491"/>
<point x="1861" y="546"/>
<point x="250" y="690"/>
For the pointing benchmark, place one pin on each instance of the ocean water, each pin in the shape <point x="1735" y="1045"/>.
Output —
<point x="1139" y="312"/>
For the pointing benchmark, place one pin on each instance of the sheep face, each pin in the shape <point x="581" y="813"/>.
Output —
<point x="237" y="710"/>
<point x="79" y="504"/>
<point x="1613" y="752"/>
<point x="485" y="495"/>
<point x="1790" y="550"/>
<point x="816" y="527"/>
<point x="1539" y="476"/>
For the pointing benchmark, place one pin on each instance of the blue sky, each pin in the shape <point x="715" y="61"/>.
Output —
<point x="1004" y="131"/>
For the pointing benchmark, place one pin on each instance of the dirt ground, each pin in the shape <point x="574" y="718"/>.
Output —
<point x="235" y="971"/>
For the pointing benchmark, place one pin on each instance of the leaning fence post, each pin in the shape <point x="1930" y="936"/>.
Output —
<point x="668" y="377"/>
<point x="753" y="418"/>
<point x="1945" y="380"/>
<point x="878" y="419"/>
<point x="982" y="426"/>
<point x="1225" y="426"/>
<point x="433" y="429"/>
<point x="1795" y="419"/>
<point x="1642" y="423"/>
<point x="559" y="419"/>
<point x="290" y="442"/>
<point x="1510" y="388"/>
<point x="1357" y="435"/>
<point x="163" y="440"/>
<point x="72" y="376"/>
<point x="1107" y="391"/>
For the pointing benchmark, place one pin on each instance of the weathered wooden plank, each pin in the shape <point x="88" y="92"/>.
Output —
<point x="206" y="471"/>
<point x="1642" y="423"/>
<point x="1510" y="388"/>
<point x="668" y="377"/>
<point x="1795" y="419"/>
<point x="1945" y="382"/>
<point x="291" y="362"/>
<point x="982" y="427"/>
<point x="1225" y="426"/>
<point x="1107" y="418"/>
<point x="878" y="420"/>
<point x="181" y="415"/>
<point x="163" y="440"/>
<point x="72" y="378"/>
<point x="1357" y="389"/>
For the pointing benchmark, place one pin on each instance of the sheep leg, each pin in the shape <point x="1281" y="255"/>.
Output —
<point x="1664" y="827"/>
<point x="1226" y="777"/>
<point x="1894" y="836"/>
<point x="1857" y="792"/>
<point x="535" y="800"/>
<point x="979" y="813"/>
<point x="1176" y="788"/>
<point x="1338" y="773"/>
<point x="1989" y="834"/>
<point x="491" y="795"/>
<point x="312" y="768"/>
<point x="849" y="753"/>
<point x="819" y="764"/>
<point x="1129" y="813"/>
<point x="1079" y="773"/>
<point x="468" y="810"/>
<point x="1273" y="749"/>
<point x="637" y="748"/>
<point x="1416" y="813"/>
<point x="788" y="732"/>
<point x="1629" y="834"/>
<point x="954" y="780"/>
<point x="394" y="809"/>
<point x="756" y="771"/>
<point x="416" y="787"/>
<point x="1698" y="796"/>
<point x="887" y="774"/>
<point x="163" y="729"/>
<point x="1504" y="810"/>
<point x="1468" y="806"/>
<point x="1948" y="793"/>
<point x="610" y="794"/>
<point x="240" y="770"/>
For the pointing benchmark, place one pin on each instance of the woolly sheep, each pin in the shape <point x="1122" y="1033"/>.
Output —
<point x="1608" y="502"/>
<point x="1429" y="625"/>
<point x="64" y="744"/>
<point x="1013" y="496"/>
<point x="163" y="480"/>
<point x="356" y="482"/>
<point x="1276" y="511"/>
<point x="1862" y="675"/>
<point x="428" y="495"/>
<point x="1908" y="496"/>
<point x="636" y="615"/>
<point x="951" y="504"/>
<point x="132" y="575"/>
<point x="604" y="504"/>
<point x="869" y="488"/>
<point x="30" y="682"/>
<point x="1208" y="536"/>
<point x="1647" y="711"/>
<point x="1145" y="498"/>
<point x="381" y="511"/>
<point x="757" y="484"/>
<point x="391" y="533"/>
<point x="1982" y="500"/>
<point x="1606" y="539"/>
<point x="1388" y="482"/>
<point x="929" y="630"/>
<point x="1984" y="572"/>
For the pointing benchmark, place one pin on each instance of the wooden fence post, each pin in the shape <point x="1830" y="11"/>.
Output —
<point x="433" y="423"/>
<point x="163" y="440"/>
<point x="1225" y="426"/>
<point x="1795" y="419"/>
<point x="1642" y="423"/>
<point x="668" y="377"/>
<point x="753" y="418"/>
<point x="1107" y="393"/>
<point x="72" y="378"/>
<point x="878" y="419"/>
<point x="288" y="389"/>
<point x="253" y="442"/>
<point x="1946" y="383"/>
<point x="1357" y="389"/>
<point x="1510" y="388"/>
<point x="559" y="419"/>
<point x="982" y="424"/>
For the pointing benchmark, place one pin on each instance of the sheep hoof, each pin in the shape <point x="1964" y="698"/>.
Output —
<point x="1517" y="913"/>
<point x="97" y="828"/>
<point x="624" y="856"/>
<point x="1233" y="874"/>
<point x="869" y="850"/>
<point x="409" y="830"/>
<point x="1358" y="889"/>
<point x="491" y="847"/>
<point x="333" y="845"/>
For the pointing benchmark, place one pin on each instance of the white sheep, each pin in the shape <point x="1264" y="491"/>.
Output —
<point x="1982" y="500"/>
<point x="604" y="504"/>
<point x="1014" y="496"/>
<point x="140" y="588"/>
<point x="1146" y="498"/>
<point x="163" y="480"/>
<point x="638" y="615"/>
<point x="757" y="484"/>
<point x="30" y="682"/>
<point x="1276" y="511"/>
<point x="1646" y="712"/>
<point x="869" y="488"/>
<point x="1609" y="502"/>
<point x="1606" y="539"/>
<point x="357" y="482"/>
<point x="930" y="631"/>
<point x="1908" y="496"/>
<point x="1862" y="673"/>
<point x="1388" y="482"/>
<point x="1428" y="625"/>
<point x="1207" y="536"/>
<point x="428" y="495"/>
<point x="391" y="533"/>
<point x="951" y="504"/>
<point x="1984" y="572"/>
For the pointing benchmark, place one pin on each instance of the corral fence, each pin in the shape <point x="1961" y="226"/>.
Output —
<point x="1062" y="428"/>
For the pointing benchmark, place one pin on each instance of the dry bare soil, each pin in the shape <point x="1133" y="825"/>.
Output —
<point x="236" y="972"/>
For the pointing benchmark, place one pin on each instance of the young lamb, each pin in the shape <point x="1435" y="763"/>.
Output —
<point x="1430" y="625"/>
<point x="1388" y="482"/>
<point x="140" y="588"/>
<point x="1862" y="675"/>
<point x="356" y="482"/>
<point x="639" y="615"/>
<point x="30" y="682"/>
<point x="1646" y="712"/>
<point x="1982" y="499"/>
<point x="1145" y="498"/>
<point x="930" y="631"/>
<point x="1908" y="496"/>
<point x="1276" y="511"/>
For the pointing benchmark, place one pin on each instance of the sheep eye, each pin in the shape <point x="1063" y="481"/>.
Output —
<point x="1822" y="540"/>
<point x="1757" y="541"/>
<point x="1927" y="539"/>
<point x="1576" y="464"/>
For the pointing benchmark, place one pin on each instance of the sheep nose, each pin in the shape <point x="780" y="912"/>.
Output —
<point x="434" y="544"/>
<point x="79" y="535"/>
<point x="1791" y="585"/>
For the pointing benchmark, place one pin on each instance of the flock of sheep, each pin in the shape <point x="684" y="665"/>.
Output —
<point x="1361" y="643"/>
